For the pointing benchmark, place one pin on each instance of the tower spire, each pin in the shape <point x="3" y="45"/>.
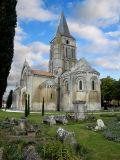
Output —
<point x="63" y="27"/>
<point x="62" y="50"/>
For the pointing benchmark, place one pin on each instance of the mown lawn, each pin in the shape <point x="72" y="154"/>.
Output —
<point x="98" y="147"/>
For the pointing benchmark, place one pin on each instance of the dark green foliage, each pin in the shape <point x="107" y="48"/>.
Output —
<point x="108" y="115"/>
<point x="116" y="92"/>
<point x="112" y="132"/>
<point x="5" y="126"/>
<point x="14" y="149"/>
<point x="55" y="150"/>
<point x="91" y="118"/>
<point x="43" y="107"/>
<point x="8" y="20"/>
<point x="110" y="90"/>
<point x="26" y="106"/>
<point x="118" y="117"/>
<point x="107" y="87"/>
<point x="91" y="126"/>
<point x="9" y="99"/>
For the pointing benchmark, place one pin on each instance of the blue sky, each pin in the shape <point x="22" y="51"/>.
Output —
<point x="94" y="23"/>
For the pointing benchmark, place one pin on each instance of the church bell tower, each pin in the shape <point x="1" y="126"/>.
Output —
<point x="62" y="49"/>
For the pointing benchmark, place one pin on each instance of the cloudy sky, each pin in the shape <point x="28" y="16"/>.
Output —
<point x="94" y="23"/>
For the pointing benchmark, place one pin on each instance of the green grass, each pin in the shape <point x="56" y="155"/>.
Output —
<point x="98" y="147"/>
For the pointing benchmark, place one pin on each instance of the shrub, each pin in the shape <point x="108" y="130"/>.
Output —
<point x="91" y="118"/>
<point x="111" y="136"/>
<point x="55" y="150"/>
<point x="118" y="117"/>
<point x="91" y="126"/>
<point x="112" y="132"/>
<point x="108" y="115"/>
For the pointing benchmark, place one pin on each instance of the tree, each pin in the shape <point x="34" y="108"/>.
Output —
<point x="9" y="99"/>
<point x="116" y="92"/>
<point x="8" y="20"/>
<point x="26" y="106"/>
<point x="107" y="87"/>
<point x="43" y="107"/>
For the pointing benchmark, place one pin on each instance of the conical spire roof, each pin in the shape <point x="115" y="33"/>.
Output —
<point x="63" y="27"/>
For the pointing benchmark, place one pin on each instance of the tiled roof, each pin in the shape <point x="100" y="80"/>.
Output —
<point x="42" y="73"/>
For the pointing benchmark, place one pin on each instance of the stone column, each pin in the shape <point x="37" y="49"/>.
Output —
<point x="80" y="110"/>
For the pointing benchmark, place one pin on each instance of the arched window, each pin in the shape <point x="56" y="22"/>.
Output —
<point x="93" y="85"/>
<point x="51" y="96"/>
<point x="80" y="85"/>
<point x="66" y="52"/>
<point x="67" y="42"/>
<point x="67" y="86"/>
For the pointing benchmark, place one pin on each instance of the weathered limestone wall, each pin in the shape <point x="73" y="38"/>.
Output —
<point x="92" y="97"/>
<point x="38" y="93"/>
<point x="50" y="98"/>
<point x="35" y="100"/>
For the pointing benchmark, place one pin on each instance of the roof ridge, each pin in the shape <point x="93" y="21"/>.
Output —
<point x="40" y="72"/>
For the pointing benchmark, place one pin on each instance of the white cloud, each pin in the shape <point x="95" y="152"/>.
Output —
<point x="34" y="53"/>
<point x="98" y="48"/>
<point x="109" y="63"/>
<point x="103" y="12"/>
<point x="88" y="32"/>
<point x="33" y="10"/>
<point x="19" y="34"/>
<point x="114" y="34"/>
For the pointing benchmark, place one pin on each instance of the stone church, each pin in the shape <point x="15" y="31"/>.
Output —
<point x="68" y="79"/>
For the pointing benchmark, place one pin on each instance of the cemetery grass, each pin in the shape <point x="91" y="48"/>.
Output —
<point x="98" y="148"/>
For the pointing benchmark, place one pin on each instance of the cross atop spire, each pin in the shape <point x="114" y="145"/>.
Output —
<point x="63" y="27"/>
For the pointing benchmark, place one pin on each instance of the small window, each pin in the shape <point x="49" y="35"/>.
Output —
<point x="93" y="85"/>
<point x="67" y="42"/>
<point x="67" y="87"/>
<point x="51" y="96"/>
<point x="80" y="85"/>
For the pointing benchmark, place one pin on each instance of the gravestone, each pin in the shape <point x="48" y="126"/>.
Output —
<point x="100" y="124"/>
<point x="80" y="110"/>
<point x="23" y="123"/>
<point x="13" y="121"/>
<point x="61" y="119"/>
<point x="62" y="134"/>
<point x="49" y="120"/>
<point x="67" y="137"/>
